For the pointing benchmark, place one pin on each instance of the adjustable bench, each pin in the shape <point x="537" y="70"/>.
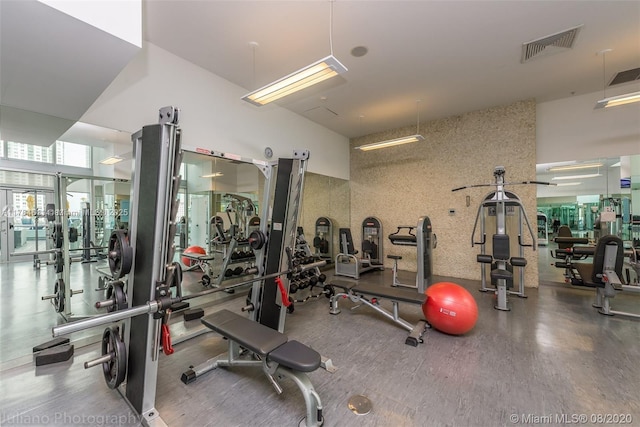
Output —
<point x="359" y="293"/>
<point x="277" y="356"/>
<point x="199" y="261"/>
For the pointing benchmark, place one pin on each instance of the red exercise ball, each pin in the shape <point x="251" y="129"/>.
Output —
<point x="450" y="308"/>
<point x="192" y="250"/>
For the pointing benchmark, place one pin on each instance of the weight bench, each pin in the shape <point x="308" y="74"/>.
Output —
<point x="359" y="293"/>
<point x="347" y="263"/>
<point x="201" y="262"/>
<point x="277" y="356"/>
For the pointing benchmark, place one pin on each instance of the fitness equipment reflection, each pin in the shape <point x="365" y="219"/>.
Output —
<point x="501" y="205"/>
<point x="543" y="229"/>
<point x="348" y="263"/>
<point x="323" y="240"/>
<point x="425" y="241"/>
<point x="604" y="273"/>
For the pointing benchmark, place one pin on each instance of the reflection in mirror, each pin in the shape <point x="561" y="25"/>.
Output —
<point x="328" y="197"/>
<point x="593" y="198"/>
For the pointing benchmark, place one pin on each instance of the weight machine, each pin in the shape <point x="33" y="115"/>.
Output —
<point x="501" y="204"/>
<point x="424" y="241"/>
<point x="130" y="349"/>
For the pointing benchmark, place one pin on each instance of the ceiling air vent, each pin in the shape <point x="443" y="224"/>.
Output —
<point x="625" y="77"/>
<point x="548" y="45"/>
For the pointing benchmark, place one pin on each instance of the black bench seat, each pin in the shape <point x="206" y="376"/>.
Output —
<point x="278" y="357"/>
<point x="251" y="335"/>
<point x="394" y="294"/>
<point x="199" y="257"/>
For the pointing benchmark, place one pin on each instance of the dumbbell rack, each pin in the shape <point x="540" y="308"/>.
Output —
<point x="307" y="279"/>
<point x="230" y="259"/>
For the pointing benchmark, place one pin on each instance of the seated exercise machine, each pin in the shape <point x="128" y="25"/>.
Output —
<point x="371" y="295"/>
<point x="567" y="252"/>
<point x="497" y="206"/>
<point x="348" y="263"/>
<point x="425" y="241"/>
<point x="604" y="273"/>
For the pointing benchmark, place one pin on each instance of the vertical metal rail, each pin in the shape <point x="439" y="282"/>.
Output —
<point x="156" y="161"/>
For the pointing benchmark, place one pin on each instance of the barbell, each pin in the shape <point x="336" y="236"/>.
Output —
<point x="165" y="302"/>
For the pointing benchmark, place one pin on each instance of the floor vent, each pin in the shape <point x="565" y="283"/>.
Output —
<point x="551" y="44"/>
<point x="625" y="77"/>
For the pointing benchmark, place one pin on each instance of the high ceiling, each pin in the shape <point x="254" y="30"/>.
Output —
<point x="454" y="56"/>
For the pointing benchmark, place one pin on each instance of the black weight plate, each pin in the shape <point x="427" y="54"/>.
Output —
<point x="206" y="280"/>
<point x="115" y="291"/>
<point x="114" y="370"/>
<point x="59" y="263"/>
<point x="58" y="290"/>
<point x="56" y="236"/>
<point x="120" y="254"/>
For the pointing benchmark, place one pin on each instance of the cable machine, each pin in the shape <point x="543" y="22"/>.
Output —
<point x="500" y="206"/>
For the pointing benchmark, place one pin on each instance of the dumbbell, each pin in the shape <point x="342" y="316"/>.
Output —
<point x="228" y="273"/>
<point x="293" y="288"/>
<point x="235" y="255"/>
<point x="322" y="278"/>
<point x="313" y="280"/>
<point x="238" y="271"/>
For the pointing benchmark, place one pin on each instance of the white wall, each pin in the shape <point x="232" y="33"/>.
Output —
<point x="570" y="129"/>
<point x="212" y="113"/>
<point x="122" y="18"/>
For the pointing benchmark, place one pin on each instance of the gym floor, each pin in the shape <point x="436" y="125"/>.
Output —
<point x="552" y="356"/>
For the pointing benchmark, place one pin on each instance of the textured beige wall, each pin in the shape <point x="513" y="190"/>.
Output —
<point x="324" y="196"/>
<point x="400" y="184"/>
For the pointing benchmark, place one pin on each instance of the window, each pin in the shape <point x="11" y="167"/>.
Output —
<point x="1" y="148"/>
<point x="70" y="154"/>
<point x="34" y="153"/>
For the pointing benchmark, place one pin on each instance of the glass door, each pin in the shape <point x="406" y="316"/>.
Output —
<point x="26" y="223"/>
<point x="6" y="225"/>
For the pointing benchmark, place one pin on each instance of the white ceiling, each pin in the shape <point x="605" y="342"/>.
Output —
<point x="455" y="56"/>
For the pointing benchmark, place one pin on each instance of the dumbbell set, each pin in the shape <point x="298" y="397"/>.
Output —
<point x="241" y="255"/>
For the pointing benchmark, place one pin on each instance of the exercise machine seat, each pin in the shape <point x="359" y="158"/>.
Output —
<point x="591" y="273"/>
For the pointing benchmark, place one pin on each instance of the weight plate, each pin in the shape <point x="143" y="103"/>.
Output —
<point x="177" y="275"/>
<point x="206" y="280"/>
<point x="59" y="263"/>
<point x="114" y="370"/>
<point x="56" y="235"/>
<point x="120" y="254"/>
<point x="115" y="291"/>
<point x="58" y="290"/>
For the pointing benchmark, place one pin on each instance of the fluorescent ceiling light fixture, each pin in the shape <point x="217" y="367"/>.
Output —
<point x="111" y="160"/>
<point x="390" y="142"/>
<point x="317" y="72"/>
<point x="590" y="175"/>
<point x="574" y="167"/>
<point x="212" y="175"/>
<point x="567" y="184"/>
<point x="614" y="101"/>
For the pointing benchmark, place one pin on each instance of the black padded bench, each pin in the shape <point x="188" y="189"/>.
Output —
<point x="278" y="356"/>
<point x="358" y="293"/>
<point x="393" y="294"/>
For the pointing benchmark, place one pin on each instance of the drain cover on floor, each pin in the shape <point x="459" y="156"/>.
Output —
<point x="360" y="405"/>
